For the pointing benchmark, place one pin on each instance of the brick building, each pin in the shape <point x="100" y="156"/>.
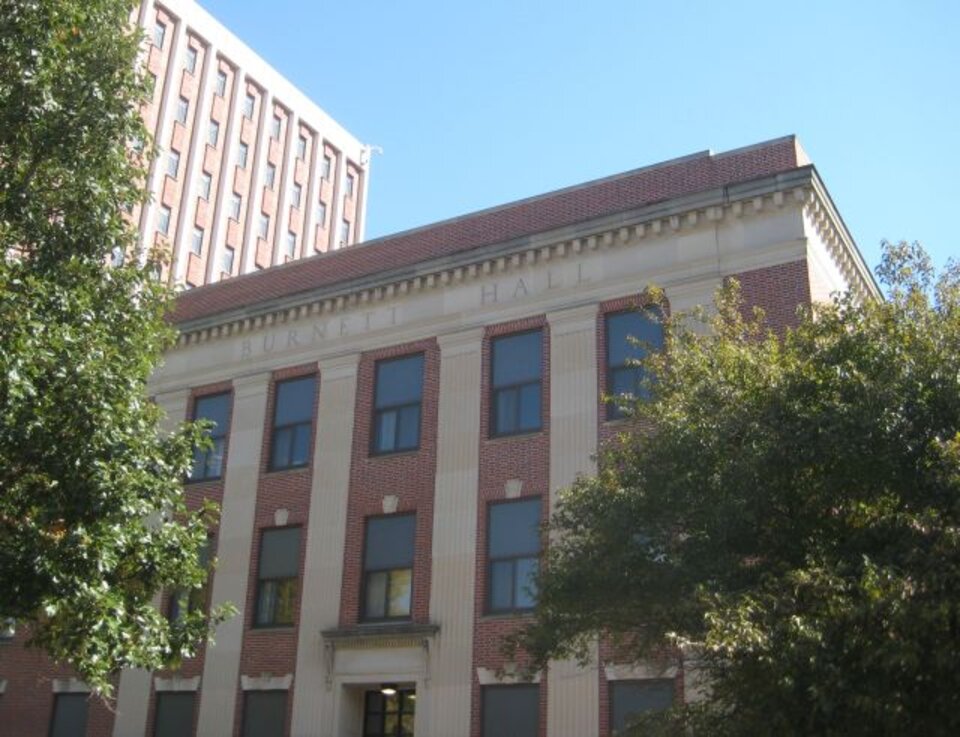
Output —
<point x="250" y="172"/>
<point x="393" y="422"/>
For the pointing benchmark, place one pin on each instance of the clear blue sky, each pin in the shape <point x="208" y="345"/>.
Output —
<point x="476" y="104"/>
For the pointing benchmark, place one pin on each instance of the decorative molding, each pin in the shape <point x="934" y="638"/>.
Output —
<point x="376" y="636"/>
<point x="512" y="488"/>
<point x="281" y="516"/>
<point x="390" y="503"/>
<point x="266" y="682"/>
<point x="176" y="683"/>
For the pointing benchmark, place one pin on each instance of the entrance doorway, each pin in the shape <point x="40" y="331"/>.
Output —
<point x="389" y="715"/>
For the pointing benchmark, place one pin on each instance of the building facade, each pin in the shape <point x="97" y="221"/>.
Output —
<point x="250" y="172"/>
<point x="394" y="421"/>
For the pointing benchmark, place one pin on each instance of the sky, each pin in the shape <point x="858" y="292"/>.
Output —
<point x="476" y="104"/>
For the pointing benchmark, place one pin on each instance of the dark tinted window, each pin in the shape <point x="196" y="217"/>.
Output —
<point x="174" y="714"/>
<point x="292" y="423"/>
<point x="208" y="464"/>
<point x="630" y="335"/>
<point x="511" y="711"/>
<point x="277" y="579"/>
<point x="388" y="567"/>
<point x="630" y="698"/>
<point x="516" y="373"/>
<point x="397" y="401"/>
<point x="264" y="713"/>
<point x="183" y="600"/>
<point x="69" y="715"/>
<point x="513" y="553"/>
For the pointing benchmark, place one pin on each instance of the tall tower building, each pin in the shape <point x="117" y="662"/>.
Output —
<point x="250" y="172"/>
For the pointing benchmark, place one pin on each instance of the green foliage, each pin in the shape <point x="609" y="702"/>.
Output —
<point x="791" y="522"/>
<point x="93" y="522"/>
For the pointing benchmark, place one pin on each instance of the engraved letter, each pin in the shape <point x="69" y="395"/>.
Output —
<point x="246" y="350"/>
<point x="268" y="341"/>
<point x="488" y="292"/>
<point x="521" y="289"/>
<point x="292" y="339"/>
<point x="319" y="331"/>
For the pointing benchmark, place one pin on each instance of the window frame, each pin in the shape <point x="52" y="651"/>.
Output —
<point x="276" y="126"/>
<point x="261" y="581"/>
<point x="613" y="685"/>
<point x="224" y="436"/>
<point x="245" y="707"/>
<point x="249" y="105"/>
<point x="613" y="411"/>
<point x="296" y="194"/>
<point x="159" y="34"/>
<point x="220" y="84"/>
<point x="227" y="268"/>
<point x="397" y="408"/>
<point x="63" y="697"/>
<point x="182" y="695"/>
<point x="183" y="110"/>
<point x="302" y="147"/>
<point x="263" y="226"/>
<point x="236" y="205"/>
<point x="275" y="429"/>
<point x="488" y="607"/>
<point x="243" y="155"/>
<point x="206" y="185"/>
<point x="190" y="59"/>
<point x="163" y="219"/>
<point x="367" y="573"/>
<point x="351" y="185"/>
<point x="196" y="241"/>
<point x="321" y="214"/>
<point x="213" y="133"/>
<point x="270" y="175"/>
<point x="173" y="163"/>
<point x="484" y="690"/>
<point x="517" y="387"/>
<point x="326" y="168"/>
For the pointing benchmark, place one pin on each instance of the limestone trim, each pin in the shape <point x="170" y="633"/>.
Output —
<point x="639" y="671"/>
<point x="69" y="685"/>
<point x="506" y="677"/>
<point x="266" y="682"/>
<point x="799" y="188"/>
<point x="380" y="636"/>
<point x="176" y="683"/>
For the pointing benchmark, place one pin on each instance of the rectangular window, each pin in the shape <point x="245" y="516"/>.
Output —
<point x="512" y="711"/>
<point x="243" y="151"/>
<point x="629" y="699"/>
<point x="326" y="168"/>
<point x="275" y="127"/>
<point x="159" y="34"/>
<point x="270" y="176"/>
<point x="301" y="148"/>
<point x="208" y="464"/>
<point x="291" y="244"/>
<point x="292" y="423"/>
<point x="296" y="194"/>
<point x="513" y="555"/>
<point x="183" y="109"/>
<point x="213" y="133"/>
<point x="389" y="715"/>
<point x="515" y="380"/>
<point x="173" y="164"/>
<point x="322" y="215"/>
<point x="227" y="265"/>
<point x="263" y="226"/>
<point x="174" y="714"/>
<point x="221" y="88"/>
<point x="277" y="577"/>
<point x="344" y="232"/>
<point x="196" y="241"/>
<point x="249" y="102"/>
<point x="69" y="717"/>
<point x="397" y="397"/>
<point x="264" y="713"/>
<point x="388" y="567"/>
<point x="351" y="183"/>
<point x="184" y="600"/>
<point x="163" y="220"/>
<point x="190" y="63"/>
<point x="630" y="335"/>
<point x="206" y="182"/>
<point x="235" y="205"/>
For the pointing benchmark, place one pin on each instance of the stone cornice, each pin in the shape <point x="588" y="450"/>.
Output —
<point x="799" y="187"/>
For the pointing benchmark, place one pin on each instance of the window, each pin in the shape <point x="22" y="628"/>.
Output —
<point x="271" y="175"/>
<point x="292" y="423"/>
<point x="344" y="232"/>
<point x="227" y="263"/>
<point x="322" y="214"/>
<point x="326" y="168"/>
<point x="208" y="464"/>
<point x="295" y="195"/>
<point x="69" y="715"/>
<point x="196" y="241"/>
<point x="242" y="153"/>
<point x="8" y="628"/>
<point x="213" y="133"/>
<point x="183" y="108"/>
<point x="163" y="220"/>
<point x="389" y="716"/>
<point x="513" y="555"/>
<point x="301" y="148"/>
<point x="221" y="88"/>
<point x="623" y="379"/>
<point x="173" y="164"/>
<point x="206" y="181"/>
<point x="264" y="713"/>
<point x="235" y="204"/>
<point x="263" y="226"/>
<point x="248" y="105"/>
<point x="277" y="577"/>
<point x="516" y="362"/>
<point x="159" y="34"/>
<point x="190" y="63"/>
<point x="184" y="600"/>
<point x="397" y="397"/>
<point x="388" y="567"/>
<point x="275" y="127"/>
<point x="510" y="711"/>
<point x="291" y="244"/>
<point x="351" y="183"/>
<point x="174" y="714"/>
<point x="629" y="699"/>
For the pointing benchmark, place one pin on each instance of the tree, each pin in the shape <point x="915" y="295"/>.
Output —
<point x="93" y="522"/>
<point x="786" y="511"/>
